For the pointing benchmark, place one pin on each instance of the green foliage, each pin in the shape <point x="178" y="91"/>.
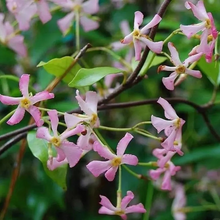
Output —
<point x="39" y="148"/>
<point x="58" y="66"/>
<point x="211" y="70"/>
<point x="87" y="77"/>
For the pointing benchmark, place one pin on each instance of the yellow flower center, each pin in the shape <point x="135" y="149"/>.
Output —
<point x="177" y="123"/>
<point x="208" y="24"/>
<point x="119" y="212"/>
<point x="25" y="103"/>
<point x="116" y="162"/>
<point x="55" y="141"/>
<point x="136" y="33"/>
<point x="175" y="143"/>
<point x="93" y="119"/>
<point x="210" y="38"/>
<point x="180" y="69"/>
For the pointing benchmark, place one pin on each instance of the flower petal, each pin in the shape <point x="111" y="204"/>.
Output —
<point x="110" y="174"/>
<point x="174" y="54"/>
<point x="138" y="19"/>
<point x="97" y="167"/>
<point x="7" y="100"/>
<point x="127" y="39"/>
<point x="92" y="100"/>
<point x="190" y="30"/>
<point x="160" y="124"/>
<point x="103" y="151"/>
<point x="156" y="19"/>
<point x="91" y="7"/>
<point x="17" y="44"/>
<point x="43" y="133"/>
<point x="68" y="133"/>
<point x="137" y="49"/>
<point x="169" y="81"/>
<point x="126" y="200"/>
<point x="130" y="159"/>
<point x="195" y="73"/>
<point x="156" y="47"/>
<point x="65" y="23"/>
<point x="23" y="84"/>
<point x="139" y="208"/>
<point x="106" y="203"/>
<point x="192" y="59"/>
<point x="43" y="11"/>
<point x="41" y="96"/>
<point x="72" y="120"/>
<point x="17" y="116"/>
<point x="53" y="120"/>
<point x="53" y="164"/>
<point x="88" y="24"/>
<point x="35" y="113"/>
<point x="123" y="143"/>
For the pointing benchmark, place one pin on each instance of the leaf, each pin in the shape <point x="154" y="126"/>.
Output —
<point x="39" y="149"/>
<point x="87" y="77"/>
<point x="211" y="70"/>
<point x="156" y="61"/>
<point x="58" y="66"/>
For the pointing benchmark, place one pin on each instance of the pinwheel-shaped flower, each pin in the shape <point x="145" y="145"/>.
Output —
<point x="139" y="36"/>
<point x="26" y="102"/>
<point x="179" y="68"/>
<point x="207" y="23"/>
<point x="114" y="161"/>
<point x="172" y="127"/>
<point x="83" y="9"/>
<point x="65" y="150"/>
<point x="24" y="10"/>
<point x="121" y="209"/>
<point x="10" y="38"/>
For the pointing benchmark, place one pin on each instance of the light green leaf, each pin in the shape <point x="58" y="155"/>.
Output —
<point x="211" y="70"/>
<point x="39" y="148"/>
<point x="148" y="64"/>
<point x="58" y="66"/>
<point x="87" y="77"/>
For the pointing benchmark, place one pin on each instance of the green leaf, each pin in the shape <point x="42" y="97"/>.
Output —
<point x="39" y="148"/>
<point x="87" y="77"/>
<point x="58" y="66"/>
<point x="147" y="65"/>
<point x="211" y="70"/>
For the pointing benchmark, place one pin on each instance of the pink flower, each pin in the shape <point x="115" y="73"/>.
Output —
<point x="207" y="23"/>
<point x="114" y="161"/>
<point x="169" y="170"/>
<point x="172" y="128"/>
<point x="66" y="151"/>
<point x="10" y="38"/>
<point x="179" y="202"/>
<point x="77" y="6"/>
<point x="179" y="68"/>
<point x="140" y="37"/>
<point x="26" y="102"/>
<point x="121" y="209"/>
<point x="24" y="10"/>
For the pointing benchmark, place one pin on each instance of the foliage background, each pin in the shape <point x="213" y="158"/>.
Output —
<point x="37" y="197"/>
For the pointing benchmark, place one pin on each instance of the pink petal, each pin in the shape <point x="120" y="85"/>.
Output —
<point x="110" y="174"/>
<point x="43" y="11"/>
<point x="138" y="19"/>
<point x="60" y="154"/>
<point x="169" y="81"/>
<point x="139" y="208"/>
<point x="130" y="159"/>
<point x="127" y="39"/>
<point x="65" y="23"/>
<point x="156" y="19"/>
<point x="73" y="153"/>
<point x="52" y="165"/>
<point x="43" y="133"/>
<point x="88" y="24"/>
<point x="159" y="152"/>
<point x="192" y="59"/>
<point x="168" y="109"/>
<point x="166" y="184"/>
<point x="155" y="174"/>
<point x="137" y="49"/>
<point x="174" y="54"/>
<point x="3" y="31"/>
<point x="126" y="200"/>
<point x="91" y="7"/>
<point x="84" y="141"/>
<point x="123" y="143"/>
<point x="72" y="120"/>
<point x="53" y="120"/>
<point x="106" y="203"/>
<point x="156" y="47"/>
<point x="92" y="100"/>
<point x="16" y="44"/>
<point x="97" y="167"/>
<point x="190" y="30"/>
<point x="7" y="100"/>
<point x="160" y="124"/>
<point x="162" y="161"/>
<point x="17" y="116"/>
<point x="213" y="28"/>
<point x="195" y="73"/>
<point x="199" y="10"/>
<point x="23" y="85"/>
<point x="68" y="133"/>
<point x="35" y="113"/>
<point x="41" y="96"/>
<point x="125" y="28"/>
<point x="103" y="151"/>
<point x="104" y="210"/>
